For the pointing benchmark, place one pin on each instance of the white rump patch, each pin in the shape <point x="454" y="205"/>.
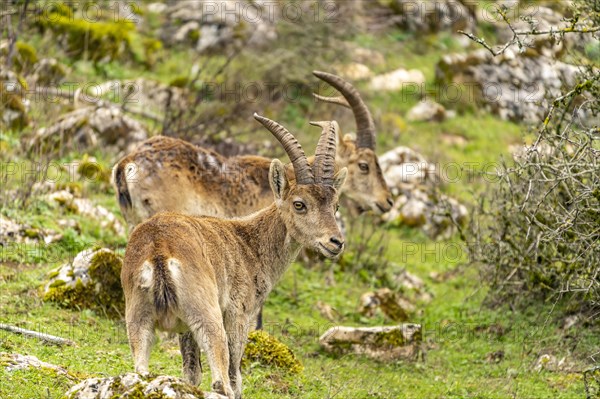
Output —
<point x="174" y="267"/>
<point x="146" y="276"/>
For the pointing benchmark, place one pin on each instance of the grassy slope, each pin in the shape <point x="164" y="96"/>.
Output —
<point x="455" y="364"/>
<point x="458" y="341"/>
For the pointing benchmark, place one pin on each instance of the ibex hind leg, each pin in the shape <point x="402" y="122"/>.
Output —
<point x="192" y="369"/>
<point x="210" y="335"/>
<point x="140" y="331"/>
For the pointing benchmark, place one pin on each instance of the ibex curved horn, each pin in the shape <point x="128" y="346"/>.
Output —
<point x="324" y="163"/>
<point x="365" y="127"/>
<point x="339" y="100"/>
<point x="294" y="150"/>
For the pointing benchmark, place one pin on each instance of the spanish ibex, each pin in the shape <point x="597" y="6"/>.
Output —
<point x="206" y="278"/>
<point x="167" y="174"/>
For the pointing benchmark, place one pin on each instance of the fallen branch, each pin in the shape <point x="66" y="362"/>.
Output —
<point x="44" y="337"/>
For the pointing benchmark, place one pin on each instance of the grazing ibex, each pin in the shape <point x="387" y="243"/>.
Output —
<point x="167" y="174"/>
<point x="206" y="278"/>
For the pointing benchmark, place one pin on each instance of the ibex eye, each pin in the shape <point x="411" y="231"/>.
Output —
<point x="337" y="207"/>
<point x="299" y="206"/>
<point x="363" y="166"/>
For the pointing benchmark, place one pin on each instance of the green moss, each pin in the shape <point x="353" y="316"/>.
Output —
<point x="57" y="283"/>
<point x="61" y="8"/>
<point x="53" y="274"/>
<point x="194" y="35"/>
<point x="137" y="391"/>
<point x="189" y="389"/>
<point x="104" y="293"/>
<point x="92" y="171"/>
<point x="73" y="187"/>
<point x="179" y="81"/>
<point x="151" y="48"/>
<point x="267" y="350"/>
<point x="27" y="56"/>
<point x="99" y="40"/>
<point x="392" y="338"/>
<point x="106" y="268"/>
<point x="31" y="233"/>
<point x="24" y="57"/>
<point x="116" y="386"/>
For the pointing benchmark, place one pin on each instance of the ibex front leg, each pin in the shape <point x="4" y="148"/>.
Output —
<point x="237" y="327"/>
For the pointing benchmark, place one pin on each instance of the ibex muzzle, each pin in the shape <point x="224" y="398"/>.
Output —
<point x="206" y="278"/>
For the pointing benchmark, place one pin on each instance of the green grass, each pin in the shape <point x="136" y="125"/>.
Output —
<point x="456" y="327"/>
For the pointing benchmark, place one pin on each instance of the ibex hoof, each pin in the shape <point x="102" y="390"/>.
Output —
<point x="218" y="387"/>
<point x="144" y="372"/>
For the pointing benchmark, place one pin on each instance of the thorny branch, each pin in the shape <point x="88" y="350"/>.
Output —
<point x="543" y="215"/>
<point x="532" y="32"/>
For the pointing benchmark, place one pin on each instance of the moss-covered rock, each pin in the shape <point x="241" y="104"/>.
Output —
<point x="386" y="344"/>
<point x="91" y="281"/>
<point x="66" y="198"/>
<point x="134" y="386"/>
<point x="269" y="351"/>
<point x="394" y="305"/>
<point x="91" y="170"/>
<point x="88" y="128"/>
<point x="191" y="23"/>
<point x="99" y="39"/>
<point x="12" y="232"/>
<point x="15" y="361"/>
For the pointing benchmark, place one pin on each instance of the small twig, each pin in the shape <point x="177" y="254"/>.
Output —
<point x="562" y="30"/>
<point x="44" y="337"/>
<point x="531" y="32"/>
<point x="484" y="43"/>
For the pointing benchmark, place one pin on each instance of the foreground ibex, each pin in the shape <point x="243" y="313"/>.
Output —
<point x="167" y="174"/>
<point x="206" y="278"/>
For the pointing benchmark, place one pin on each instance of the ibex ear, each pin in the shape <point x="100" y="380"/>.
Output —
<point x="346" y="138"/>
<point x="339" y="179"/>
<point x="277" y="178"/>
